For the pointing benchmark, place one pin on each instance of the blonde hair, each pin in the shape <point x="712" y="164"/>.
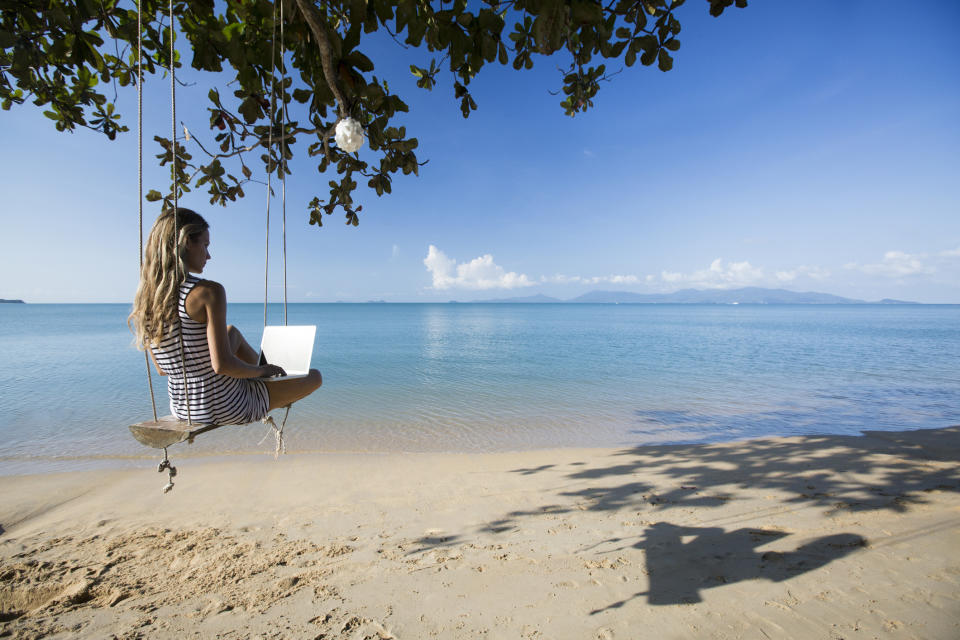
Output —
<point x="163" y="271"/>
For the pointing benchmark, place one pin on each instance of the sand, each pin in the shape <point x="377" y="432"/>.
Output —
<point x="802" y="537"/>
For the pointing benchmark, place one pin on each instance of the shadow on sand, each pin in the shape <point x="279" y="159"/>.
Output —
<point x="879" y="470"/>
<point x="678" y="570"/>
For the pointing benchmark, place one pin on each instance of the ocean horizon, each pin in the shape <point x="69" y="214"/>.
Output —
<point x="493" y="376"/>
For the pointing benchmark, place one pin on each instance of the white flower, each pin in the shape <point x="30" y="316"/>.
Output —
<point x="349" y="135"/>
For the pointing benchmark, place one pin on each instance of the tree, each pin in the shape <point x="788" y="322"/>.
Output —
<point x="61" y="54"/>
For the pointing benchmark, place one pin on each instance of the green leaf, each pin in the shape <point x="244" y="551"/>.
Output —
<point x="233" y="30"/>
<point x="360" y="61"/>
<point x="249" y="109"/>
<point x="549" y="26"/>
<point x="489" y="47"/>
<point x="586" y="12"/>
<point x="665" y="61"/>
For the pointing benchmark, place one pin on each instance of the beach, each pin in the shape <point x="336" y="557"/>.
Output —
<point x="832" y="536"/>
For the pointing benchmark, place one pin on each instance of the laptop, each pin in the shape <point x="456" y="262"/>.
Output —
<point x="290" y="347"/>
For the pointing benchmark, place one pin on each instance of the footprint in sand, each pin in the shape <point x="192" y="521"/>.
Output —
<point x="15" y="603"/>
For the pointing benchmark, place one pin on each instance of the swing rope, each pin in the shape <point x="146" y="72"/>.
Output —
<point x="281" y="166"/>
<point x="283" y="157"/>
<point x="277" y="431"/>
<point x="176" y="188"/>
<point x="273" y="98"/>
<point x="146" y="357"/>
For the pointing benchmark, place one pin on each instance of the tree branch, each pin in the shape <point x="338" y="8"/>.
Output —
<point x="326" y="53"/>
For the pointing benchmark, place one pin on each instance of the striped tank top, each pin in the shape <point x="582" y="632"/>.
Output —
<point x="214" y="398"/>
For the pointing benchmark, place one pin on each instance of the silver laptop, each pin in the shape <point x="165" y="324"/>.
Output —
<point x="290" y="347"/>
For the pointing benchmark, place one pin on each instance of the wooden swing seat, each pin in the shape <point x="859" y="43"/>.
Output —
<point x="167" y="431"/>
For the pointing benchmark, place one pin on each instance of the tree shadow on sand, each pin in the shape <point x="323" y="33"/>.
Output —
<point x="679" y="570"/>
<point x="879" y="470"/>
<point x="876" y="471"/>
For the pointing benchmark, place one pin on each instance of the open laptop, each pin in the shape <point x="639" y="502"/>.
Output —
<point x="290" y="347"/>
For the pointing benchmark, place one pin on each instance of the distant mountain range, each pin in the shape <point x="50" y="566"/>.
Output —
<point x="746" y="295"/>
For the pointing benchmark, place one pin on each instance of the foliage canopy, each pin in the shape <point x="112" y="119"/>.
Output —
<point x="63" y="56"/>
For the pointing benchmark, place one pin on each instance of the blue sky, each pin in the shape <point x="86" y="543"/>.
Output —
<point x="808" y="146"/>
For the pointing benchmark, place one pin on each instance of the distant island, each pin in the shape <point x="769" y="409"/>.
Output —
<point x="2" y="301"/>
<point x="746" y="295"/>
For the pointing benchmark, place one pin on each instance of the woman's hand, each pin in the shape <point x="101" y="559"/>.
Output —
<point x="271" y="371"/>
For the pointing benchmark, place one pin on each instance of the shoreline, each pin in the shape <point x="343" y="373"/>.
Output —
<point x="802" y="536"/>
<point x="50" y="464"/>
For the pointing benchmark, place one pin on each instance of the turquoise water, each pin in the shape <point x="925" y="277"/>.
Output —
<point x="488" y="377"/>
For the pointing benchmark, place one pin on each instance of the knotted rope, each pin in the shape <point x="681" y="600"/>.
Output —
<point x="277" y="433"/>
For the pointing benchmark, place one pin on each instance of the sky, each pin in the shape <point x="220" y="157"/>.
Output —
<point x="809" y="146"/>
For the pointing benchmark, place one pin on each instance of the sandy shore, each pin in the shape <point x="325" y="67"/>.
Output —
<point x="806" y="537"/>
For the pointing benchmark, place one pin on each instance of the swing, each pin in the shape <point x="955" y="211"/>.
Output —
<point x="166" y="431"/>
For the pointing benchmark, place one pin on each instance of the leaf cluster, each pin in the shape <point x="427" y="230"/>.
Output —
<point x="294" y="88"/>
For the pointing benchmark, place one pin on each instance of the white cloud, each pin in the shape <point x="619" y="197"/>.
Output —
<point x="951" y="253"/>
<point x="562" y="279"/>
<point x="479" y="273"/>
<point x="895" y="264"/>
<point x="789" y="275"/>
<point x="611" y="279"/>
<point x="395" y="252"/>
<point x="619" y="279"/>
<point x="717" y="276"/>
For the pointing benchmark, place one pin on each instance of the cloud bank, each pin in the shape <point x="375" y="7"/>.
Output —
<point x="614" y="279"/>
<point x="484" y="273"/>
<point x="479" y="273"/>
<point x="717" y="276"/>
<point x="897" y="264"/>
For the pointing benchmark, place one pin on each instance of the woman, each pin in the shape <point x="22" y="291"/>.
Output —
<point x="221" y="366"/>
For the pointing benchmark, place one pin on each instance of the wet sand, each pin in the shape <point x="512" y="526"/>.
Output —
<point x="802" y="537"/>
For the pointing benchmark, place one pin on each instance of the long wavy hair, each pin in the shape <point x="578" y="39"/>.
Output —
<point x="163" y="271"/>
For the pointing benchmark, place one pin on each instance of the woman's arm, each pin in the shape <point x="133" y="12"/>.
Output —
<point x="209" y="299"/>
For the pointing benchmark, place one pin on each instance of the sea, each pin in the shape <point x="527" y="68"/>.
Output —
<point x="497" y="377"/>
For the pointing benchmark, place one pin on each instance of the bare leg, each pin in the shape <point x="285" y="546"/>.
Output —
<point x="282" y="392"/>
<point x="286" y="392"/>
<point x="240" y="347"/>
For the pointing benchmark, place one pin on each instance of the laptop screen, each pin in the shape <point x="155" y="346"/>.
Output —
<point x="290" y="347"/>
